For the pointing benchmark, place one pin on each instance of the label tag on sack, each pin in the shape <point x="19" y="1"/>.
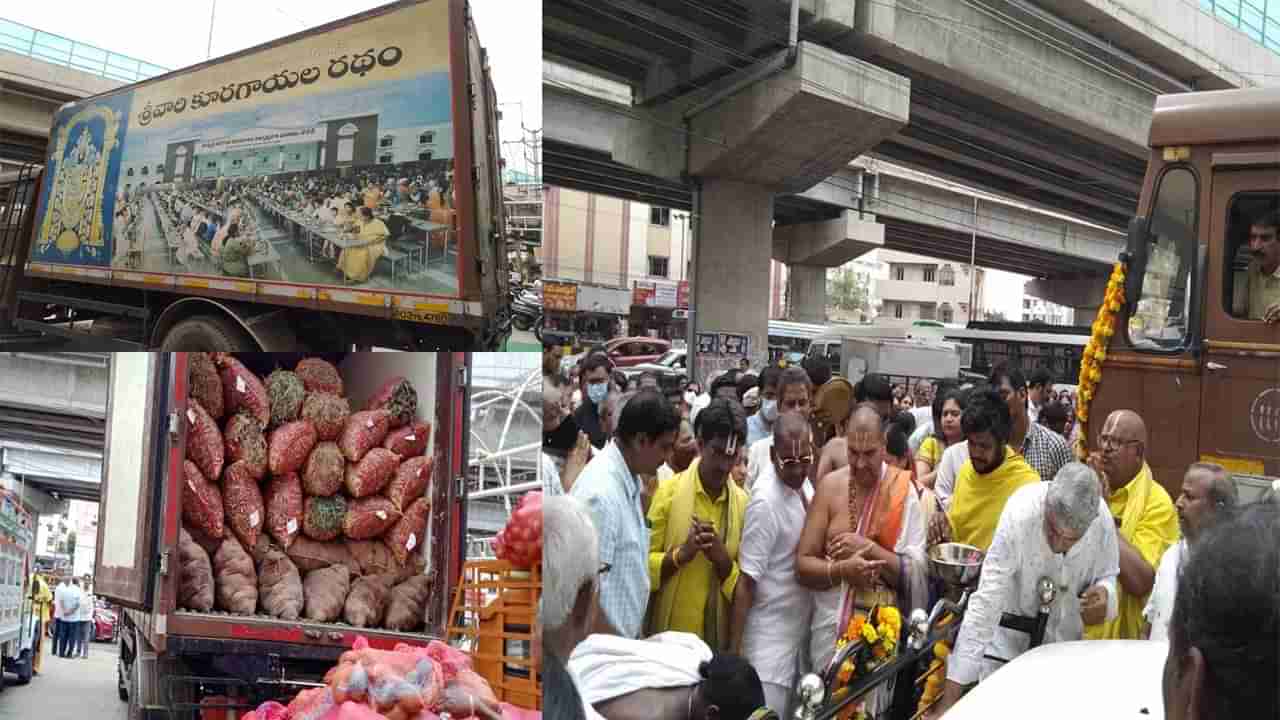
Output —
<point x="191" y="416"/>
<point x="369" y="423"/>
<point x="382" y="514"/>
<point x="253" y="519"/>
<point x="413" y="540"/>
<point x="410" y="438"/>
<point x="291" y="527"/>
<point x="240" y="386"/>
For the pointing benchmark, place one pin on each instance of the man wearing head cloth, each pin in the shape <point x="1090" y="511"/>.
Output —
<point x="1143" y="512"/>
<point x="862" y="545"/>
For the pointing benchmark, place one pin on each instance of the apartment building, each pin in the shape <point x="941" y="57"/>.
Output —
<point x="921" y="288"/>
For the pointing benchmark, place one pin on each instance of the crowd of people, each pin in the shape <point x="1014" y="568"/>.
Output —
<point x="65" y="614"/>
<point x="682" y="564"/>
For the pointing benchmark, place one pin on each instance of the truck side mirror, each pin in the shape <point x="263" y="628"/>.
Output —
<point x="1135" y="260"/>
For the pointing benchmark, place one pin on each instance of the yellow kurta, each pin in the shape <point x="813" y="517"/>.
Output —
<point x="357" y="263"/>
<point x="681" y="602"/>
<point x="930" y="451"/>
<point x="979" y="499"/>
<point x="1151" y="529"/>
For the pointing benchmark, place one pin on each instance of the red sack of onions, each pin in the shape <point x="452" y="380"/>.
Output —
<point x="520" y="542"/>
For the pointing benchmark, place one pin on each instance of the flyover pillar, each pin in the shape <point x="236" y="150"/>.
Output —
<point x="807" y="293"/>
<point x="1079" y="291"/>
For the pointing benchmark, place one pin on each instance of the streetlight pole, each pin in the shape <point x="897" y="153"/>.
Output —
<point x="208" y="53"/>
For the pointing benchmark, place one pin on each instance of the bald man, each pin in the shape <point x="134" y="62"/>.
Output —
<point x="865" y="528"/>
<point x="1143" y="513"/>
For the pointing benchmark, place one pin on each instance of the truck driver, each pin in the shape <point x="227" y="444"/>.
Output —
<point x="1257" y="289"/>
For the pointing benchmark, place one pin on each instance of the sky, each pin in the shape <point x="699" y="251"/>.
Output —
<point x="176" y="35"/>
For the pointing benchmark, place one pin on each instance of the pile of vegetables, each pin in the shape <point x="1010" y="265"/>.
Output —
<point x="296" y="507"/>
<point x="520" y="541"/>
<point x="407" y="683"/>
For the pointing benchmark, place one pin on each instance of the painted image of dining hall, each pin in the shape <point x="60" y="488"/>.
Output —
<point x="356" y="199"/>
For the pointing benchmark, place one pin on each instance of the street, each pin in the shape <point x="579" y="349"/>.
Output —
<point x="523" y="341"/>
<point x="68" y="689"/>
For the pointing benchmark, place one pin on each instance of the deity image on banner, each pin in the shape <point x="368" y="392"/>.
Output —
<point x="76" y="226"/>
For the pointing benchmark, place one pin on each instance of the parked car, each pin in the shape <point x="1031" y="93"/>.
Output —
<point x="670" y="369"/>
<point x="105" y="622"/>
<point x="626" y="352"/>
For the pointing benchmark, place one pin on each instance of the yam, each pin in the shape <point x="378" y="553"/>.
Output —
<point x="204" y="540"/>
<point x="289" y="446"/>
<point x="372" y="473"/>
<point x="243" y="503"/>
<point x="310" y="555"/>
<point x="205" y="384"/>
<point x="329" y="413"/>
<point x="367" y="602"/>
<point x="242" y="391"/>
<point x="410" y="482"/>
<point x="373" y="557"/>
<point x="201" y="501"/>
<point x="363" y="431"/>
<point x="323" y="473"/>
<point x="319" y="375"/>
<point x="280" y="586"/>
<point x="195" y="586"/>
<point x="235" y="580"/>
<point x="204" y="441"/>
<point x="408" y="534"/>
<point x="369" y="517"/>
<point x="244" y="440"/>
<point x="406" y="608"/>
<point x="324" y="591"/>
<point x="284" y="508"/>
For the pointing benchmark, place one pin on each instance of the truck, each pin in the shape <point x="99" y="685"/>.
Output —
<point x="222" y="206"/>
<point x="1200" y="367"/>
<point x="900" y="354"/>
<point x="172" y="658"/>
<point x="18" y="624"/>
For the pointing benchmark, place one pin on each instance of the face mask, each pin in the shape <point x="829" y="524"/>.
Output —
<point x="597" y="392"/>
<point x="769" y="410"/>
<point x="689" y="397"/>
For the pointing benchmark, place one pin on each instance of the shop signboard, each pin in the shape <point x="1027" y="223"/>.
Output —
<point x="682" y="294"/>
<point x="606" y="300"/>
<point x="708" y="344"/>
<point x="642" y="293"/>
<point x="559" y="297"/>
<point x="664" y="295"/>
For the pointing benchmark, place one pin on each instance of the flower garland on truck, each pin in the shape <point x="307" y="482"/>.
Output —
<point x="1095" y="353"/>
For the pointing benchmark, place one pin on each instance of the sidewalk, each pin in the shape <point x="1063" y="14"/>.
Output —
<point x="68" y="689"/>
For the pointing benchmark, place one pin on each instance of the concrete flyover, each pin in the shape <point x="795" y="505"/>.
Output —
<point x="53" y="409"/>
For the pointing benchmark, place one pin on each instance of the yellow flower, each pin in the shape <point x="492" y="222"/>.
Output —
<point x="940" y="650"/>
<point x="869" y="633"/>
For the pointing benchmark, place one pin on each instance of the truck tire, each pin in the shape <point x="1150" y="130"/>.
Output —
<point x="207" y="332"/>
<point x="537" y="329"/>
<point x="24" y="667"/>
<point x="522" y="322"/>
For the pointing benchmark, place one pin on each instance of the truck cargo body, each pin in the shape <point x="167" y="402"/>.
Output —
<point x="17" y="621"/>
<point x="235" y="190"/>
<point x="170" y="654"/>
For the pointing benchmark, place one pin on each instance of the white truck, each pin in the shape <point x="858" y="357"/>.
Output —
<point x="855" y="352"/>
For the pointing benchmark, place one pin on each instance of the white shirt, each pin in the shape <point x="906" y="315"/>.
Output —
<point x="549" y="469"/>
<point x="85" y="613"/>
<point x="757" y="460"/>
<point x="923" y="430"/>
<point x="826" y="604"/>
<point x="778" y="621"/>
<point x="944" y="483"/>
<point x="1159" y="609"/>
<point x="605" y="667"/>
<point x="59" y="599"/>
<point x="1019" y="556"/>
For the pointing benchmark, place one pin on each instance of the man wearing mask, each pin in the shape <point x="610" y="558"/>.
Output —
<point x="1208" y="497"/>
<point x="771" y="609"/>
<point x="595" y="377"/>
<point x="1143" y="512"/>
<point x="795" y="394"/>
<point x="760" y="425"/>
<point x="610" y="486"/>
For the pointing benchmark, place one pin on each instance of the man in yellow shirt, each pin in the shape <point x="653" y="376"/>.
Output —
<point x="1144" y="515"/>
<point x="695" y="521"/>
<point x="41" y="607"/>
<point x="992" y="474"/>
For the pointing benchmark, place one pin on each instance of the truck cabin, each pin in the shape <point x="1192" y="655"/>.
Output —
<point x="1197" y="344"/>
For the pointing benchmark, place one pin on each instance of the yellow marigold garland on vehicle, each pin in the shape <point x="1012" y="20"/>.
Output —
<point x="1095" y="353"/>
<point x="881" y="638"/>
<point x="936" y="675"/>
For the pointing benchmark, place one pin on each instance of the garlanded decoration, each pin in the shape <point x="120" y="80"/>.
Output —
<point x="1095" y="353"/>
<point x="879" y="642"/>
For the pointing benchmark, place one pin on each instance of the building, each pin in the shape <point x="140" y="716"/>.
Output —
<point x="1037" y="310"/>
<point x="921" y="288"/>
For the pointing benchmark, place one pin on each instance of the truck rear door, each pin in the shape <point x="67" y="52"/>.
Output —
<point x="134" y="466"/>
<point x="1240" y="424"/>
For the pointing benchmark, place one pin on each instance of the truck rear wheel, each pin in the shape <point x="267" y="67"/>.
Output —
<point x="24" y="668"/>
<point x="207" y="332"/>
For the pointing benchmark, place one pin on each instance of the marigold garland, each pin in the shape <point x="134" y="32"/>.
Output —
<point x="1095" y="353"/>
<point x="881" y="638"/>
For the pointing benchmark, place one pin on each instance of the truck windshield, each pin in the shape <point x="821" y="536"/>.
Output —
<point x="1160" y="321"/>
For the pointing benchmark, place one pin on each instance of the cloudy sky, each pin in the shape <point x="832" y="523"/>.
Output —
<point x="176" y="34"/>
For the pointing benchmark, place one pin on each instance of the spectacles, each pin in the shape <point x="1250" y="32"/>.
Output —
<point x="1109" y="441"/>
<point x="805" y="460"/>
<point x="604" y="568"/>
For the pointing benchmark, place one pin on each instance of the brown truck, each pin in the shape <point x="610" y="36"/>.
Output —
<point x="339" y="187"/>
<point x="1191" y="352"/>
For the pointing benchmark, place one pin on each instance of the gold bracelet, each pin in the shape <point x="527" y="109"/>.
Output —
<point x="675" y="559"/>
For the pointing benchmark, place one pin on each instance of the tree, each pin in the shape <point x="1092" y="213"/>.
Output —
<point x="847" y="290"/>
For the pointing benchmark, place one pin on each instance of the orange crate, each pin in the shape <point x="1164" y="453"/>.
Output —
<point x="494" y="610"/>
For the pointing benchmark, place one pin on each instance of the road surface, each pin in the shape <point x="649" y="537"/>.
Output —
<point x="523" y="341"/>
<point x="68" y="689"/>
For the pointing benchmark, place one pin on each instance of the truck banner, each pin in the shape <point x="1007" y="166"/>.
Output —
<point x="324" y="159"/>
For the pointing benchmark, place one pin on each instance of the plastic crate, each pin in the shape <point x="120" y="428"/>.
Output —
<point x="494" y="611"/>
